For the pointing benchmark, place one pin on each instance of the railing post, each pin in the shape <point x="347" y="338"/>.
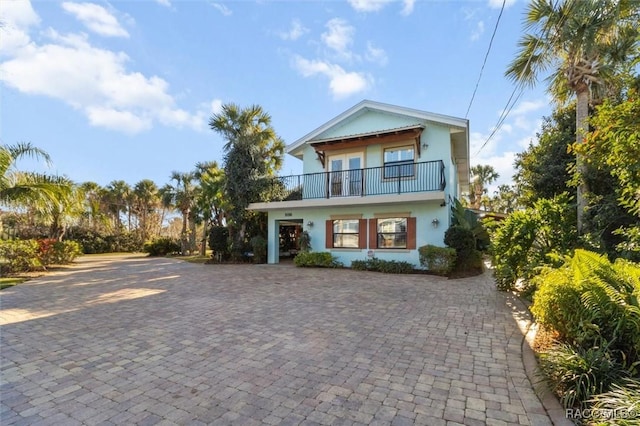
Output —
<point x="328" y="182"/>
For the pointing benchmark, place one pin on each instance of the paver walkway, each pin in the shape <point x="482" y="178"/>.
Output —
<point x="159" y="341"/>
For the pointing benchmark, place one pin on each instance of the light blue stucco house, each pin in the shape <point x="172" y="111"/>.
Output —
<point x="377" y="180"/>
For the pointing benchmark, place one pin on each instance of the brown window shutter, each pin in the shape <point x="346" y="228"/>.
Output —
<point x="328" y="234"/>
<point x="373" y="233"/>
<point x="411" y="233"/>
<point x="362" y="236"/>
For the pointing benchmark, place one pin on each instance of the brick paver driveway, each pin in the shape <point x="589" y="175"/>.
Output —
<point x="146" y="341"/>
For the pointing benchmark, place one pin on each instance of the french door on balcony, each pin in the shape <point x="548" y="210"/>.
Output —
<point x="345" y="175"/>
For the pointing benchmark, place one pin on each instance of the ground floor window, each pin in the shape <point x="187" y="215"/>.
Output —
<point x="346" y="233"/>
<point x="392" y="232"/>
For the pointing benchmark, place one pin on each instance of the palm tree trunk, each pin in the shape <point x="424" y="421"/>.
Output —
<point x="582" y="128"/>
<point x="184" y="243"/>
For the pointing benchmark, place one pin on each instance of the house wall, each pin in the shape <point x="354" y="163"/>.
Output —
<point x="426" y="233"/>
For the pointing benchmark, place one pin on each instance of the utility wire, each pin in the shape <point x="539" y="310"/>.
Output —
<point x="485" y="58"/>
<point x="509" y="106"/>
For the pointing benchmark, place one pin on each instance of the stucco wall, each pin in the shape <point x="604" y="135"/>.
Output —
<point x="426" y="233"/>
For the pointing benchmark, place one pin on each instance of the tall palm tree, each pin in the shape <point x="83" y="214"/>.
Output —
<point x="182" y="195"/>
<point x="28" y="189"/>
<point x="584" y="44"/>
<point x="212" y="202"/>
<point x="94" y="214"/>
<point x="483" y="175"/>
<point x="253" y="154"/>
<point x="117" y="195"/>
<point x="145" y="201"/>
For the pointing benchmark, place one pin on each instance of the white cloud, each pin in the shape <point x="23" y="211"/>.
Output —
<point x="296" y="31"/>
<point x="216" y="106"/>
<point x="166" y="3"/>
<point x="124" y="121"/>
<point x="478" y="31"/>
<point x="528" y="106"/>
<point x="96" y="18"/>
<point x="368" y="5"/>
<point x="96" y="82"/>
<point x="341" y="83"/>
<point x="16" y="18"/>
<point x="339" y="36"/>
<point x="497" y="4"/>
<point x="222" y="9"/>
<point x="376" y="55"/>
<point x="407" y="7"/>
<point x="377" y="5"/>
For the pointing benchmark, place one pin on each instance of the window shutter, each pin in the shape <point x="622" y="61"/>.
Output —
<point x="328" y="234"/>
<point x="373" y="233"/>
<point x="362" y="233"/>
<point x="411" y="233"/>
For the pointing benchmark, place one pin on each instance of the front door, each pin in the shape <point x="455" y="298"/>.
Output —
<point x="345" y="175"/>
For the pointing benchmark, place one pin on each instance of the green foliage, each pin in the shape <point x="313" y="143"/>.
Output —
<point x="439" y="260"/>
<point x="461" y="239"/>
<point x="594" y="307"/>
<point x="162" y="247"/>
<point x="316" y="259"/>
<point x="543" y="169"/>
<point x="93" y="242"/>
<point x="19" y="256"/>
<point x="530" y="239"/>
<point x="65" y="252"/>
<point x="469" y="220"/>
<point x="385" y="266"/>
<point x="576" y="374"/>
<point x="622" y="399"/>
<point x="259" y="246"/>
<point x="219" y="240"/>
<point x="305" y="241"/>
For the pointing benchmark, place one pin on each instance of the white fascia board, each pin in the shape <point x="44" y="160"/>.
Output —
<point x="378" y="106"/>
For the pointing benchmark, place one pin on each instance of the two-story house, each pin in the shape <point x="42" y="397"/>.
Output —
<point x="377" y="181"/>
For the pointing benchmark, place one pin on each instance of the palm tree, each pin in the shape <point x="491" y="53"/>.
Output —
<point x="94" y="213"/>
<point x="145" y="201"/>
<point x="585" y="44"/>
<point x="28" y="189"/>
<point x="212" y="202"/>
<point x="253" y="155"/>
<point x="182" y="196"/>
<point x="117" y="195"/>
<point x="483" y="175"/>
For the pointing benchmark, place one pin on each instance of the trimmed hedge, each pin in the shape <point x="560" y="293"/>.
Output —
<point x="385" y="266"/>
<point x="320" y="259"/>
<point x="162" y="247"/>
<point x="439" y="260"/>
<point x="30" y="255"/>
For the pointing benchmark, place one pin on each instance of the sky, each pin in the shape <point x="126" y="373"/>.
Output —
<point x="123" y="90"/>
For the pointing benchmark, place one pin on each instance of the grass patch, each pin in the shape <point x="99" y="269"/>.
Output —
<point x="196" y="258"/>
<point x="10" y="282"/>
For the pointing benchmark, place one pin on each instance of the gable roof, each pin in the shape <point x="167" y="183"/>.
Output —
<point x="368" y="105"/>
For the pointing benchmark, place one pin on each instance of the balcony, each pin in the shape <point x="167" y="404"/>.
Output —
<point x="406" y="181"/>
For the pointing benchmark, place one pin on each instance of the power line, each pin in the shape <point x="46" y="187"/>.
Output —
<point x="509" y="106"/>
<point x="485" y="58"/>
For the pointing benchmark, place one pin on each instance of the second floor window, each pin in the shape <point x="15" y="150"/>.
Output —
<point x="398" y="162"/>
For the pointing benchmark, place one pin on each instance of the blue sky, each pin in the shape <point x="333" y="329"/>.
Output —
<point x="124" y="89"/>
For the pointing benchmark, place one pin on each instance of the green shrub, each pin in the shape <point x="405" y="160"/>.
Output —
<point x="65" y="252"/>
<point x="162" y="247"/>
<point x="19" y="255"/>
<point x="622" y="399"/>
<point x="259" y="246"/>
<point x="461" y="239"/>
<point x="305" y="241"/>
<point x="439" y="260"/>
<point x="317" y="259"/>
<point x="528" y="240"/>
<point x="219" y="241"/>
<point x="379" y="265"/>
<point x="590" y="299"/>
<point x="576" y="374"/>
